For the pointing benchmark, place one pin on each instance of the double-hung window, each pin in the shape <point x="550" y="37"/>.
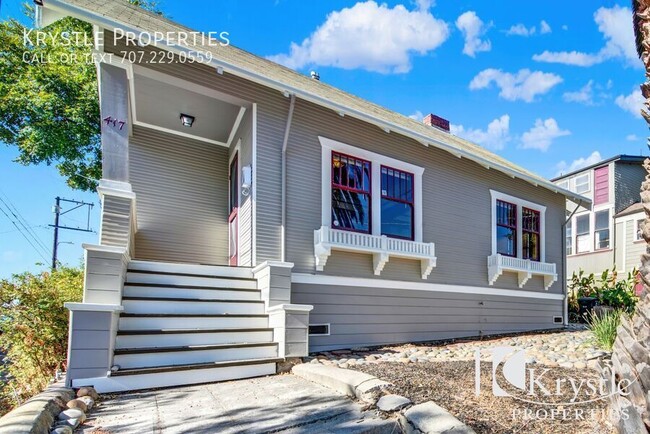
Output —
<point x="582" y="233"/>
<point x="397" y="213"/>
<point x="569" y="239"/>
<point x="601" y="233"/>
<point x="351" y="193"/>
<point x="583" y="183"/>
<point x="506" y="228"/>
<point x="530" y="234"/>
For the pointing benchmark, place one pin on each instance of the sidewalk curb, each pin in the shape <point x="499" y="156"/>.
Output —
<point x="425" y="418"/>
<point x="352" y="383"/>
<point x="430" y="418"/>
<point x="38" y="413"/>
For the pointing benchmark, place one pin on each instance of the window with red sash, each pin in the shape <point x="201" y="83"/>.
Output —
<point x="396" y="203"/>
<point x="506" y="228"/>
<point x="531" y="237"/>
<point x="351" y="195"/>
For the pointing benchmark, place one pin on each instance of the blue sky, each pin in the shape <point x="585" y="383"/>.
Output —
<point x="550" y="87"/>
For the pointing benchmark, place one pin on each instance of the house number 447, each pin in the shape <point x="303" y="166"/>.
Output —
<point x="116" y="123"/>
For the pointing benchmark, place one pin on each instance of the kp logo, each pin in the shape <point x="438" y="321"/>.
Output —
<point x="514" y="369"/>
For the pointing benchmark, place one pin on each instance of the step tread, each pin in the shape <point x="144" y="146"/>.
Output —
<point x="172" y="273"/>
<point x="187" y="367"/>
<point x="193" y="348"/>
<point x="177" y="286"/>
<point x="192" y="315"/>
<point x="196" y="300"/>
<point x="186" y="331"/>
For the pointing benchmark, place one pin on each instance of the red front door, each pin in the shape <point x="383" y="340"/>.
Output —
<point x="233" y="220"/>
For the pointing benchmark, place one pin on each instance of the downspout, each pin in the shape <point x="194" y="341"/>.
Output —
<point x="564" y="264"/>
<point x="285" y="142"/>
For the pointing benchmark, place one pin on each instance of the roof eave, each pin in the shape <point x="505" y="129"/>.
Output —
<point x="104" y="22"/>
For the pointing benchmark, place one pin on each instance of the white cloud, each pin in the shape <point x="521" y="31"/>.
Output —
<point x="632" y="138"/>
<point x="574" y="58"/>
<point x="563" y="167"/>
<point x="417" y="115"/>
<point x="544" y="27"/>
<point x="494" y="137"/>
<point x="565" y="27"/>
<point x="424" y="5"/>
<point x="525" y="85"/>
<point x="10" y="256"/>
<point x="520" y="30"/>
<point x="542" y="134"/>
<point x="616" y="26"/>
<point x="369" y="36"/>
<point x="583" y="96"/>
<point x="472" y="28"/>
<point x="632" y="103"/>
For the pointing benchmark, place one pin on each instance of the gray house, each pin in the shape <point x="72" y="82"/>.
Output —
<point x="252" y="214"/>
<point x="607" y="236"/>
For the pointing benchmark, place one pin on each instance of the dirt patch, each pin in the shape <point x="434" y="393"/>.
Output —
<point x="452" y="386"/>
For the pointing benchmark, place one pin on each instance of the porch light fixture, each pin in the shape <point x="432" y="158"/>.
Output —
<point x="187" y="120"/>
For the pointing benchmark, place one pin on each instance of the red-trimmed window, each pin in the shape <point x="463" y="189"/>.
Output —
<point x="530" y="228"/>
<point x="350" y="193"/>
<point x="506" y="228"/>
<point x="396" y="203"/>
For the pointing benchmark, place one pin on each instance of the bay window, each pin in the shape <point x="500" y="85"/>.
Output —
<point x="396" y="203"/>
<point x="582" y="233"/>
<point x="601" y="233"/>
<point x="350" y="193"/>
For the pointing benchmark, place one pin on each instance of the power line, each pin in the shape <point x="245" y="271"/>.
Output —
<point x="23" y="222"/>
<point x="23" y="234"/>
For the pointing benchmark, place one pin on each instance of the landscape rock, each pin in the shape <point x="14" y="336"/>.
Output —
<point x="62" y="430"/>
<point x="392" y="402"/>
<point x="88" y="391"/>
<point x="78" y="403"/>
<point x="72" y="413"/>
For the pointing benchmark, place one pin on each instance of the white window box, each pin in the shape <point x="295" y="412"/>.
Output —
<point x="525" y="269"/>
<point x="381" y="247"/>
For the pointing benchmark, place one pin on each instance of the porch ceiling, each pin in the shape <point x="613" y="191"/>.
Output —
<point x="160" y="104"/>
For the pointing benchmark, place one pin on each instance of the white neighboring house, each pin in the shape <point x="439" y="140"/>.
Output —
<point x="605" y="237"/>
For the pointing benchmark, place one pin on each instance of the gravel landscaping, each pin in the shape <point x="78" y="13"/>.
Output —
<point x="573" y="347"/>
<point x="451" y="385"/>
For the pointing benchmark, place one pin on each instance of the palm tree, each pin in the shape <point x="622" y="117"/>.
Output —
<point x="632" y="345"/>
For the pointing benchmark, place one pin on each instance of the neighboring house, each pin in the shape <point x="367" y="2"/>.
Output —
<point x="605" y="236"/>
<point x="344" y="224"/>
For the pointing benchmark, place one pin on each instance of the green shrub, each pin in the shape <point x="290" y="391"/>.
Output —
<point x="609" y="289"/>
<point x="34" y="327"/>
<point x="604" y="327"/>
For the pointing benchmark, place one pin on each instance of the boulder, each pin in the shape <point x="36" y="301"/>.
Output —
<point x="392" y="403"/>
<point x="78" y="403"/>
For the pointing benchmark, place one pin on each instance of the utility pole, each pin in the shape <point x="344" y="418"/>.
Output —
<point x="58" y="212"/>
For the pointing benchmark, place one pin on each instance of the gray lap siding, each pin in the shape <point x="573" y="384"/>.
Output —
<point x="456" y="205"/>
<point x="374" y="316"/>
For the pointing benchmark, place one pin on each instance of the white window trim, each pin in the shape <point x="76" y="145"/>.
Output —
<point x="521" y="203"/>
<point x="376" y="161"/>
<point x="592" y="229"/>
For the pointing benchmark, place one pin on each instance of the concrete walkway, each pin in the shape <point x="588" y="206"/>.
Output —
<point x="282" y="403"/>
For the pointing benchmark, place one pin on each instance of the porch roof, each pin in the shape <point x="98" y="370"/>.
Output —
<point x="112" y="14"/>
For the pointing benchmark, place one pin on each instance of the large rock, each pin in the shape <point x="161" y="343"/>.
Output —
<point x="72" y="413"/>
<point x="78" y="403"/>
<point x="392" y="402"/>
<point x="88" y="391"/>
<point x="430" y="418"/>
